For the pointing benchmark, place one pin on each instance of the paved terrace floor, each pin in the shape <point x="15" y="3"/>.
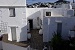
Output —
<point x="35" y="43"/>
<point x="22" y="44"/>
<point x="36" y="40"/>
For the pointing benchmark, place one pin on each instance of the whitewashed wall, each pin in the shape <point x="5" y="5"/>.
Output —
<point x="58" y="12"/>
<point x="50" y="26"/>
<point x="12" y="2"/>
<point x="67" y="6"/>
<point x="19" y="21"/>
<point x="64" y="6"/>
<point x="33" y="13"/>
<point x="7" y="46"/>
<point x="45" y="30"/>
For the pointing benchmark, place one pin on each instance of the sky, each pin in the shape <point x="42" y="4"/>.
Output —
<point x="34" y="1"/>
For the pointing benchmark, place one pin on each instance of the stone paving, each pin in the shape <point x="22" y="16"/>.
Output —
<point x="36" y="40"/>
<point x="22" y="44"/>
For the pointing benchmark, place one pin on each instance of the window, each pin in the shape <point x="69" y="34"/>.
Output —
<point x="48" y="13"/>
<point x="12" y="12"/>
<point x="59" y="27"/>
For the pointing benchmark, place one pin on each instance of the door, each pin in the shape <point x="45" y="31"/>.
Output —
<point x="59" y="27"/>
<point x="13" y="32"/>
<point x="30" y="23"/>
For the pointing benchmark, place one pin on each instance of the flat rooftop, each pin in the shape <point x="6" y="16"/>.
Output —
<point x="22" y="44"/>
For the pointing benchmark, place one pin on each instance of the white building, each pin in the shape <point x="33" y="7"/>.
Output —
<point x="13" y="19"/>
<point x="36" y="15"/>
<point x="57" y="20"/>
<point x="16" y="20"/>
<point x="13" y="22"/>
<point x="50" y="18"/>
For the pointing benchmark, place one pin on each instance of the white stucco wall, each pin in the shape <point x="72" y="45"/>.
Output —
<point x="7" y="46"/>
<point x="67" y="6"/>
<point x="19" y="21"/>
<point x="64" y="6"/>
<point x="12" y="2"/>
<point x="59" y="12"/>
<point x="45" y="30"/>
<point x="33" y="13"/>
<point x="50" y="26"/>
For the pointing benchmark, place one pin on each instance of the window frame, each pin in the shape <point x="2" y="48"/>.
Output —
<point x="13" y="12"/>
<point x="48" y="13"/>
<point x="59" y="27"/>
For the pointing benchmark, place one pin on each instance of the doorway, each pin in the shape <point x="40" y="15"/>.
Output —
<point x="59" y="27"/>
<point x="13" y="32"/>
<point x="30" y="23"/>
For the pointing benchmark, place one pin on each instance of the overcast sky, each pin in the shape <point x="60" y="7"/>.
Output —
<point x="33" y="1"/>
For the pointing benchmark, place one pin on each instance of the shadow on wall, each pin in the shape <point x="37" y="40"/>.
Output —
<point x="23" y="34"/>
<point x="67" y="24"/>
<point x="34" y="17"/>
